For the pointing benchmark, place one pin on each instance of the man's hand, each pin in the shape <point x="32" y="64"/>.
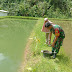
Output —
<point x="54" y="41"/>
<point x="49" y="42"/>
<point x="50" y="34"/>
<point x="53" y="44"/>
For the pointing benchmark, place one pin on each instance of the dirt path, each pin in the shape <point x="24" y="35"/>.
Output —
<point x="26" y="52"/>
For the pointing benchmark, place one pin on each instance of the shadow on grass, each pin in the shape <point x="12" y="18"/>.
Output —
<point x="62" y="59"/>
<point x="59" y="59"/>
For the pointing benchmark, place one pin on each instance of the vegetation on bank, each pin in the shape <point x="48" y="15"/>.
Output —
<point x="38" y="8"/>
<point x="35" y="60"/>
<point x="33" y="18"/>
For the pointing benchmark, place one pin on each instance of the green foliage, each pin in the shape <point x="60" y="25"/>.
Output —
<point x="38" y="8"/>
<point x="23" y="9"/>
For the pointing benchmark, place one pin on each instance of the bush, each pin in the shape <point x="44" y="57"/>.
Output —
<point x="37" y="8"/>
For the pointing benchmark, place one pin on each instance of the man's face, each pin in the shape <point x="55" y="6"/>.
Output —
<point x="46" y="21"/>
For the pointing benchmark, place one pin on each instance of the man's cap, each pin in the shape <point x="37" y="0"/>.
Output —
<point x="45" y="19"/>
<point x="47" y="24"/>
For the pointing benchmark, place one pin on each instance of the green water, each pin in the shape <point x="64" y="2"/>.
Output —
<point x="13" y="37"/>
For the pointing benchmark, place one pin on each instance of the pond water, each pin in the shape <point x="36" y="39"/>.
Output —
<point x="13" y="38"/>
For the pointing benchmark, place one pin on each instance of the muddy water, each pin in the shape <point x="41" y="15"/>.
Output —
<point x="67" y="27"/>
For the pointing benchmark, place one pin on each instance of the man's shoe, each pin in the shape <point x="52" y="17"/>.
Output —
<point x="54" y="55"/>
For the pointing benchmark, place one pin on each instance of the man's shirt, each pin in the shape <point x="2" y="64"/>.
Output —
<point x="58" y="31"/>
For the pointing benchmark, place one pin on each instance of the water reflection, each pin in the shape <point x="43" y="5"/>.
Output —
<point x="7" y="64"/>
<point x="2" y="57"/>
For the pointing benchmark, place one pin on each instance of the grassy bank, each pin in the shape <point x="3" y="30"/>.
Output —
<point x="33" y="18"/>
<point x="35" y="60"/>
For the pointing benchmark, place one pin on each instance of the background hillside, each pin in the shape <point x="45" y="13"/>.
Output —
<point x="38" y="8"/>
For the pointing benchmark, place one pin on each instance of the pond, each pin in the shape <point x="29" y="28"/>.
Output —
<point x="13" y="38"/>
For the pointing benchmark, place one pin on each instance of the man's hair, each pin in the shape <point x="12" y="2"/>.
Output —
<point x="47" y="24"/>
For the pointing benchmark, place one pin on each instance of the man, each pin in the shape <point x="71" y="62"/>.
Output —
<point x="46" y="30"/>
<point x="59" y="36"/>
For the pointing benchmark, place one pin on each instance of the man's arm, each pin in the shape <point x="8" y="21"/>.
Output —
<point x="50" y="22"/>
<point x="50" y="37"/>
<point x="54" y="41"/>
<point x="57" y="34"/>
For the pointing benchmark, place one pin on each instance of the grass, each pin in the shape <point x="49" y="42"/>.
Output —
<point x="18" y="17"/>
<point x="37" y="63"/>
<point x="33" y="18"/>
<point x="14" y="34"/>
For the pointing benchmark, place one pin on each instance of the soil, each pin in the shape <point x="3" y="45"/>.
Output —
<point x="26" y="52"/>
